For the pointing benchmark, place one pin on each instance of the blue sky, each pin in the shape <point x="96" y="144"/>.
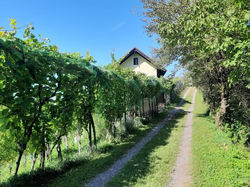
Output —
<point x="99" y="26"/>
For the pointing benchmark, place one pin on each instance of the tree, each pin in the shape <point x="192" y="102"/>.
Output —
<point x="209" y="38"/>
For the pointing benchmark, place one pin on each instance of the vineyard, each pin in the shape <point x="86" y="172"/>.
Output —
<point x="64" y="121"/>
<point x="48" y="96"/>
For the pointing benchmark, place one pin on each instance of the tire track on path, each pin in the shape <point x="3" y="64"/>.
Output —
<point x="181" y="175"/>
<point x="103" y="178"/>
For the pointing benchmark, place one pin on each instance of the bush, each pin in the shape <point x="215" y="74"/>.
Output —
<point x="238" y="132"/>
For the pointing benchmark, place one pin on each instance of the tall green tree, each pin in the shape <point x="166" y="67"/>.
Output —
<point x="211" y="39"/>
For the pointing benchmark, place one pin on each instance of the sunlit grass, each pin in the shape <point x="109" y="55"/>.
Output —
<point x="216" y="161"/>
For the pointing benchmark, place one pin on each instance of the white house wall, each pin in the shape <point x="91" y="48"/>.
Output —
<point x="143" y="66"/>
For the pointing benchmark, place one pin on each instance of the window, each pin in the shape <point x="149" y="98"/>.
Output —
<point x="135" y="61"/>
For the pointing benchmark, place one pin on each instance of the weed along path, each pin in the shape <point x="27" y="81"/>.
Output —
<point x="182" y="175"/>
<point x="106" y="176"/>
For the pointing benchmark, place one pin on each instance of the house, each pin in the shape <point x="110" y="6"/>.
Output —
<point x="139" y="62"/>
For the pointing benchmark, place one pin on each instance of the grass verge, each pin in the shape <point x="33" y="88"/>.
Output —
<point x="216" y="161"/>
<point x="153" y="165"/>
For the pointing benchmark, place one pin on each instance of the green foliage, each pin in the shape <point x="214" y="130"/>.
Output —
<point x="210" y="38"/>
<point x="237" y="132"/>
<point x="45" y="95"/>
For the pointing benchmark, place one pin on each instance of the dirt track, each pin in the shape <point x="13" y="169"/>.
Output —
<point x="103" y="178"/>
<point x="181" y="175"/>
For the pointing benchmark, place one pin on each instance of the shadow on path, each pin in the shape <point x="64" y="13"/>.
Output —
<point x="142" y="162"/>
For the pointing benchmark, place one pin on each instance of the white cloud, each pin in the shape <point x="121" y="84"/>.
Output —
<point x="118" y="26"/>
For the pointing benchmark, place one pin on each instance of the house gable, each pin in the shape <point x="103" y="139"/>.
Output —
<point x="145" y="64"/>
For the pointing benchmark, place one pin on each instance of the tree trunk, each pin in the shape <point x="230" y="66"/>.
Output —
<point x="109" y="130"/>
<point x="10" y="168"/>
<point x="152" y="108"/>
<point x="49" y="154"/>
<point x="24" y="161"/>
<point x="140" y="111"/>
<point x="93" y="128"/>
<point x="47" y="151"/>
<point x="42" y="160"/>
<point x="114" y="128"/>
<point x="59" y="151"/>
<point x="223" y="106"/>
<point x="75" y="137"/>
<point x="125" y="117"/>
<point x="34" y="161"/>
<point x="79" y="144"/>
<point x="90" y="135"/>
<point x="66" y="142"/>
<point x="149" y="107"/>
<point x="18" y="161"/>
<point x="28" y="133"/>
<point x="125" y="121"/>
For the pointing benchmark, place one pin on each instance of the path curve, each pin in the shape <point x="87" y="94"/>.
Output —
<point x="103" y="178"/>
<point x="181" y="176"/>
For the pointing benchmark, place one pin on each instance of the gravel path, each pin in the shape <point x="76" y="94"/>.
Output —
<point x="181" y="175"/>
<point x="103" y="178"/>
